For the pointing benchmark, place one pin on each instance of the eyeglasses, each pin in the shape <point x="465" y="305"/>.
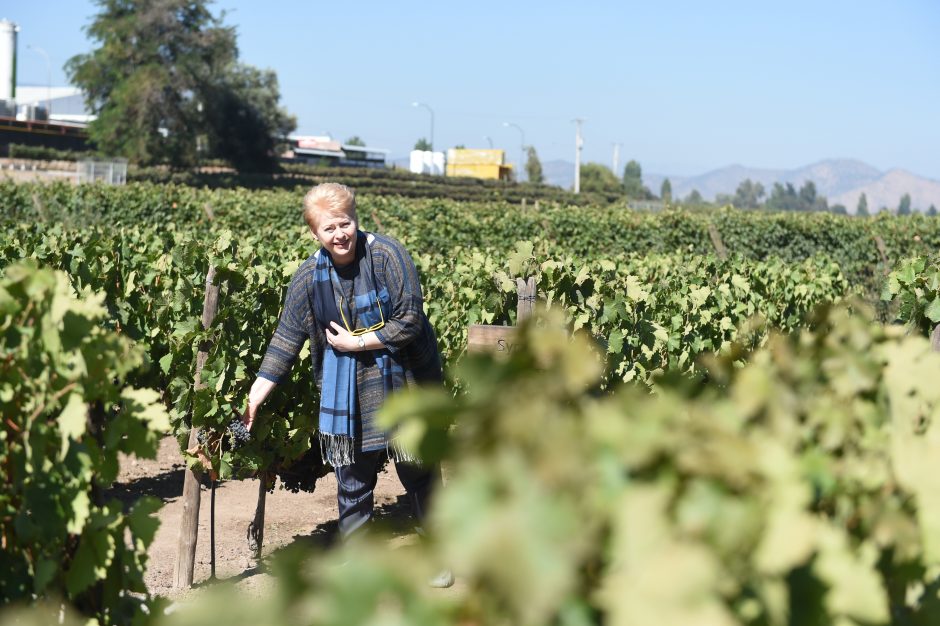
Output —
<point x="361" y="331"/>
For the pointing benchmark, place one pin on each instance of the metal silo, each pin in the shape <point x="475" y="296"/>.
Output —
<point x="8" y="32"/>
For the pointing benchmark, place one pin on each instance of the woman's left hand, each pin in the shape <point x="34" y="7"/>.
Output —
<point x="341" y="339"/>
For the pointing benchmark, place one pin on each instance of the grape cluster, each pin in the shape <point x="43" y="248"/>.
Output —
<point x="302" y="474"/>
<point x="235" y="436"/>
<point x="238" y="434"/>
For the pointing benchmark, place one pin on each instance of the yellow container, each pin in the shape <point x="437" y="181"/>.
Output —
<point x="489" y="164"/>
<point x="491" y="172"/>
<point x="465" y="156"/>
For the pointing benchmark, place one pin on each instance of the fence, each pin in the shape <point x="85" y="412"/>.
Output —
<point x="113" y="172"/>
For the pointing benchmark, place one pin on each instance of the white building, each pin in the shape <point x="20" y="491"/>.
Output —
<point x="61" y="104"/>
<point x="317" y="149"/>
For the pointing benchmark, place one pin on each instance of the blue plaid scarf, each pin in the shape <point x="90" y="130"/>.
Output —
<point x="339" y="409"/>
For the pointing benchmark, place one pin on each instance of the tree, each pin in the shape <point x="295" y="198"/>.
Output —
<point x="422" y="144"/>
<point x="748" y="195"/>
<point x="665" y="191"/>
<point x="904" y="208"/>
<point x="932" y="211"/>
<point x="533" y="167"/>
<point x="839" y="209"/>
<point x="694" y="197"/>
<point x="810" y="200"/>
<point x="247" y="127"/>
<point x="786" y="198"/>
<point x="783" y="198"/>
<point x="355" y="141"/>
<point x="633" y="181"/>
<point x="862" y="209"/>
<point x="598" y="178"/>
<point x="166" y="74"/>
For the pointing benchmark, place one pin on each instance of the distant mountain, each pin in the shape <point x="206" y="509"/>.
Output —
<point x="835" y="176"/>
<point x="841" y="181"/>
<point x="887" y="190"/>
<point x="713" y="183"/>
<point x="832" y="177"/>
<point x="559" y="173"/>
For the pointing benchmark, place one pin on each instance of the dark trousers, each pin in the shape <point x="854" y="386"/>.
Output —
<point x="356" y="484"/>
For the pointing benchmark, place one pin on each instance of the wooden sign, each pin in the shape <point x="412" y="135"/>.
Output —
<point x="502" y="339"/>
<point x="484" y="338"/>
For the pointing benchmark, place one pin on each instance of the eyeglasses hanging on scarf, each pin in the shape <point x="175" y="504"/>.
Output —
<point x="361" y="331"/>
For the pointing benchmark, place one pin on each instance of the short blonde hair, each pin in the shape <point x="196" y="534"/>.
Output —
<point x="328" y="198"/>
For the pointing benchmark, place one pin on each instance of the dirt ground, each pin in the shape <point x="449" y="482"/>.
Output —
<point x="289" y="518"/>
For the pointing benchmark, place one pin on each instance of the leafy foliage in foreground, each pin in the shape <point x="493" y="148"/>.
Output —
<point x="795" y="488"/>
<point x="792" y="489"/>
<point x="67" y="413"/>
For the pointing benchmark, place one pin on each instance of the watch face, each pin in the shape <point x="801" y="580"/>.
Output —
<point x="362" y="342"/>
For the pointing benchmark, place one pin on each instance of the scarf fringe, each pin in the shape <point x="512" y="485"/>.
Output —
<point x="399" y="454"/>
<point x="337" y="450"/>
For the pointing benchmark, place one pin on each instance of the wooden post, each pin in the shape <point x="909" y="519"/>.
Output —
<point x="189" y="525"/>
<point x="378" y="223"/>
<point x="720" y="249"/>
<point x="883" y="252"/>
<point x="525" y="304"/>
<point x="256" y="527"/>
<point x="212" y="532"/>
<point x="935" y="338"/>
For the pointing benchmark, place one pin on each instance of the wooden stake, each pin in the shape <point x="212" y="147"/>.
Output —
<point x="189" y="525"/>
<point x="526" y="298"/>
<point x="378" y="224"/>
<point x="256" y="527"/>
<point x="212" y="532"/>
<point x="935" y="338"/>
<point x="720" y="249"/>
<point x="883" y="252"/>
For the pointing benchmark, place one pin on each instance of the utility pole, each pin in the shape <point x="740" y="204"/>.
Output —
<point x="578" y="144"/>
<point x="431" y="111"/>
<point x="45" y="55"/>
<point x="521" y="148"/>
<point x="616" y="163"/>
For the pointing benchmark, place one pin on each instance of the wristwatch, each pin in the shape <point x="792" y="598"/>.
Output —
<point x="362" y="342"/>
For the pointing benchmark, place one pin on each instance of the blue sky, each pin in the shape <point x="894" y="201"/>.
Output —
<point x="685" y="86"/>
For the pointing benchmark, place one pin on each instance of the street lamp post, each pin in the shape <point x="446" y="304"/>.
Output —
<point x="48" y="77"/>
<point x="578" y="145"/>
<point x="431" y="111"/>
<point x="521" y="146"/>
<point x="489" y="140"/>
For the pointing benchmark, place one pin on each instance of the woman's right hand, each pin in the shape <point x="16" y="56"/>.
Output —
<point x="248" y="417"/>
<point x="256" y="397"/>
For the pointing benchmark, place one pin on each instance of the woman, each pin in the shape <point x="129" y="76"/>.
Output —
<point x="358" y="300"/>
